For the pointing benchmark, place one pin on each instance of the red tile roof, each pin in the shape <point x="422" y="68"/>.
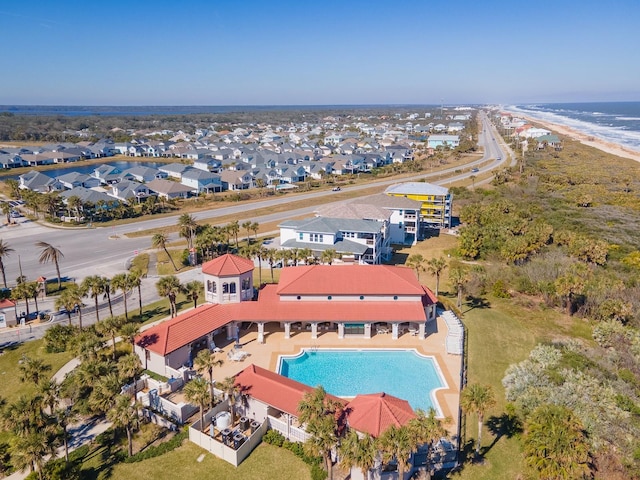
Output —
<point x="188" y="327"/>
<point x="348" y="280"/>
<point x="6" y="303"/>
<point x="376" y="412"/>
<point x="172" y="334"/>
<point x="274" y="389"/>
<point x="226" y="265"/>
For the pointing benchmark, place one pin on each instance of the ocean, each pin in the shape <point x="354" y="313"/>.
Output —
<point x="615" y="122"/>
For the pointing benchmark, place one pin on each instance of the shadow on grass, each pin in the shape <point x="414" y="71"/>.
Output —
<point x="477" y="302"/>
<point x="504" y="425"/>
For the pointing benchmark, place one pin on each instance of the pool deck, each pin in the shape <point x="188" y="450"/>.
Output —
<point x="266" y="355"/>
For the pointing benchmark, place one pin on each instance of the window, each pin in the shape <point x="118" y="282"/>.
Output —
<point x="301" y="236"/>
<point x="316" y="237"/>
<point x="361" y="297"/>
<point x="245" y="284"/>
<point x="225" y="287"/>
<point x="329" y="297"/>
<point x="232" y="287"/>
<point x="298" y="297"/>
<point x="395" y="297"/>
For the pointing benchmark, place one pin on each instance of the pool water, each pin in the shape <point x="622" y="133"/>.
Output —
<point x="346" y="373"/>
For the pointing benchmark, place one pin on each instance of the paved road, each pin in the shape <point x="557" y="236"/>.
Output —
<point x="106" y="250"/>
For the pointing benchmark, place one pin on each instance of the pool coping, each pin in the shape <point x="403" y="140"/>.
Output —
<point x="432" y="393"/>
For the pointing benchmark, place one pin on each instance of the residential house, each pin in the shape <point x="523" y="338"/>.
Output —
<point x="174" y="170"/>
<point x="75" y="179"/>
<point x="443" y="141"/>
<point x="364" y="241"/>
<point x="39" y="182"/>
<point x="107" y="174"/>
<point x="402" y="214"/>
<point x="168" y="189"/>
<point x="143" y="174"/>
<point x="201" y="181"/>
<point x="130" y="191"/>
<point x="236" y="180"/>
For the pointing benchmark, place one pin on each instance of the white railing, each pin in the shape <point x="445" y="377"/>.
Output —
<point x="291" y="433"/>
<point x="455" y="336"/>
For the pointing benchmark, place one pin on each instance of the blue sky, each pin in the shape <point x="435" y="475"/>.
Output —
<point x="208" y="52"/>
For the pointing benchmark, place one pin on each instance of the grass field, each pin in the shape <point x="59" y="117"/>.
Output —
<point x="265" y="463"/>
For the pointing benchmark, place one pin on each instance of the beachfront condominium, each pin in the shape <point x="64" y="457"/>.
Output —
<point x="436" y="201"/>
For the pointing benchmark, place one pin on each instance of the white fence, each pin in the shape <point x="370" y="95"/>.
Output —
<point x="291" y="433"/>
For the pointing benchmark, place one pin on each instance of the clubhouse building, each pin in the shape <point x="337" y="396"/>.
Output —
<point x="354" y="301"/>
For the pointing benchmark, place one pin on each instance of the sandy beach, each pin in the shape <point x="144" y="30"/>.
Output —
<point x="591" y="141"/>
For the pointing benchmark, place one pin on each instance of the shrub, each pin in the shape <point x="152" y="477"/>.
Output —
<point x="58" y="338"/>
<point x="157" y="450"/>
<point x="499" y="290"/>
<point x="273" y="437"/>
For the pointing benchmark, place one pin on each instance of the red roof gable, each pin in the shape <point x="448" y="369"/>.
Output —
<point x="274" y="389"/>
<point x="348" y="280"/>
<point x="376" y="412"/>
<point x="6" y="303"/>
<point x="227" y="265"/>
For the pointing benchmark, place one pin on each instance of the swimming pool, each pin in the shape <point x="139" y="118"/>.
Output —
<point x="405" y="374"/>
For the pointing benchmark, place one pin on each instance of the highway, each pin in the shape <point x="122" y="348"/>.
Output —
<point x="106" y="250"/>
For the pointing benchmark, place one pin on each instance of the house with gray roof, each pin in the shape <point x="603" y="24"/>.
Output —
<point x="402" y="215"/>
<point x="39" y="182"/>
<point x="11" y="160"/>
<point x="201" y="181"/>
<point x="236" y="180"/>
<point x="169" y="189"/>
<point x="107" y="174"/>
<point x="86" y="195"/>
<point x="363" y="241"/>
<point x="130" y="191"/>
<point x="143" y="174"/>
<point x="174" y="170"/>
<point x="74" y="179"/>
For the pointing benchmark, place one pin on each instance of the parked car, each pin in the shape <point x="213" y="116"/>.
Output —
<point x="475" y="170"/>
<point x="336" y="189"/>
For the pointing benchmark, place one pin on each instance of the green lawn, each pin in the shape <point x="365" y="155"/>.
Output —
<point x="12" y="387"/>
<point x="265" y="463"/>
<point x="502" y="334"/>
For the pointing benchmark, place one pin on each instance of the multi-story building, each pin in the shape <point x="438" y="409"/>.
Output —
<point x="437" y="202"/>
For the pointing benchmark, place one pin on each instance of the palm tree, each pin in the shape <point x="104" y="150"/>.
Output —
<point x="110" y="327"/>
<point x="169" y="287"/>
<point x="95" y="286"/>
<point x="556" y="445"/>
<point x="234" y="228"/>
<point x="103" y="395"/>
<point x="230" y="390"/>
<point x="247" y="226"/>
<point x="124" y="414"/>
<point x="32" y="370"/>
<point x="107" y="294"/>
<point x="397" y="442"/>
<point x="458" y="277"/>
<point x="426" y="429"/>
<point x="416" y="261"/>
<point x="205" y="361"/>
<point x="71" y="299"/>
<point x="31" y="450"/>
<point x="159" y="240"/>
<point x="188" y="226"/>
<point x="255" y="226"/>
<point x="122" y="282"/>
<point x="435" y="266"/>
<point x="271" y="256"/>
<point x="261" y="252"/>
<point x="49" y="392"/>
<point x="48" y="254"/>
<point x="193" y="290"/>
<point x="197" y="391"/>
<point x="130" y="331"/>
<point x="129" y="366"/>
<point x="358" y="452"/>
<point x="318" y="414"/>
<point x="135" y="281"/>
<point x="328" y="256"/>
<point x="65" y="416"/>
<point x="20" y="292"/>
<point x="5" y="251"/>
<point x="476" y="398"/>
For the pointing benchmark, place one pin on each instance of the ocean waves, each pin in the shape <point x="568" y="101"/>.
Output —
<point x="615" y="122"/>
